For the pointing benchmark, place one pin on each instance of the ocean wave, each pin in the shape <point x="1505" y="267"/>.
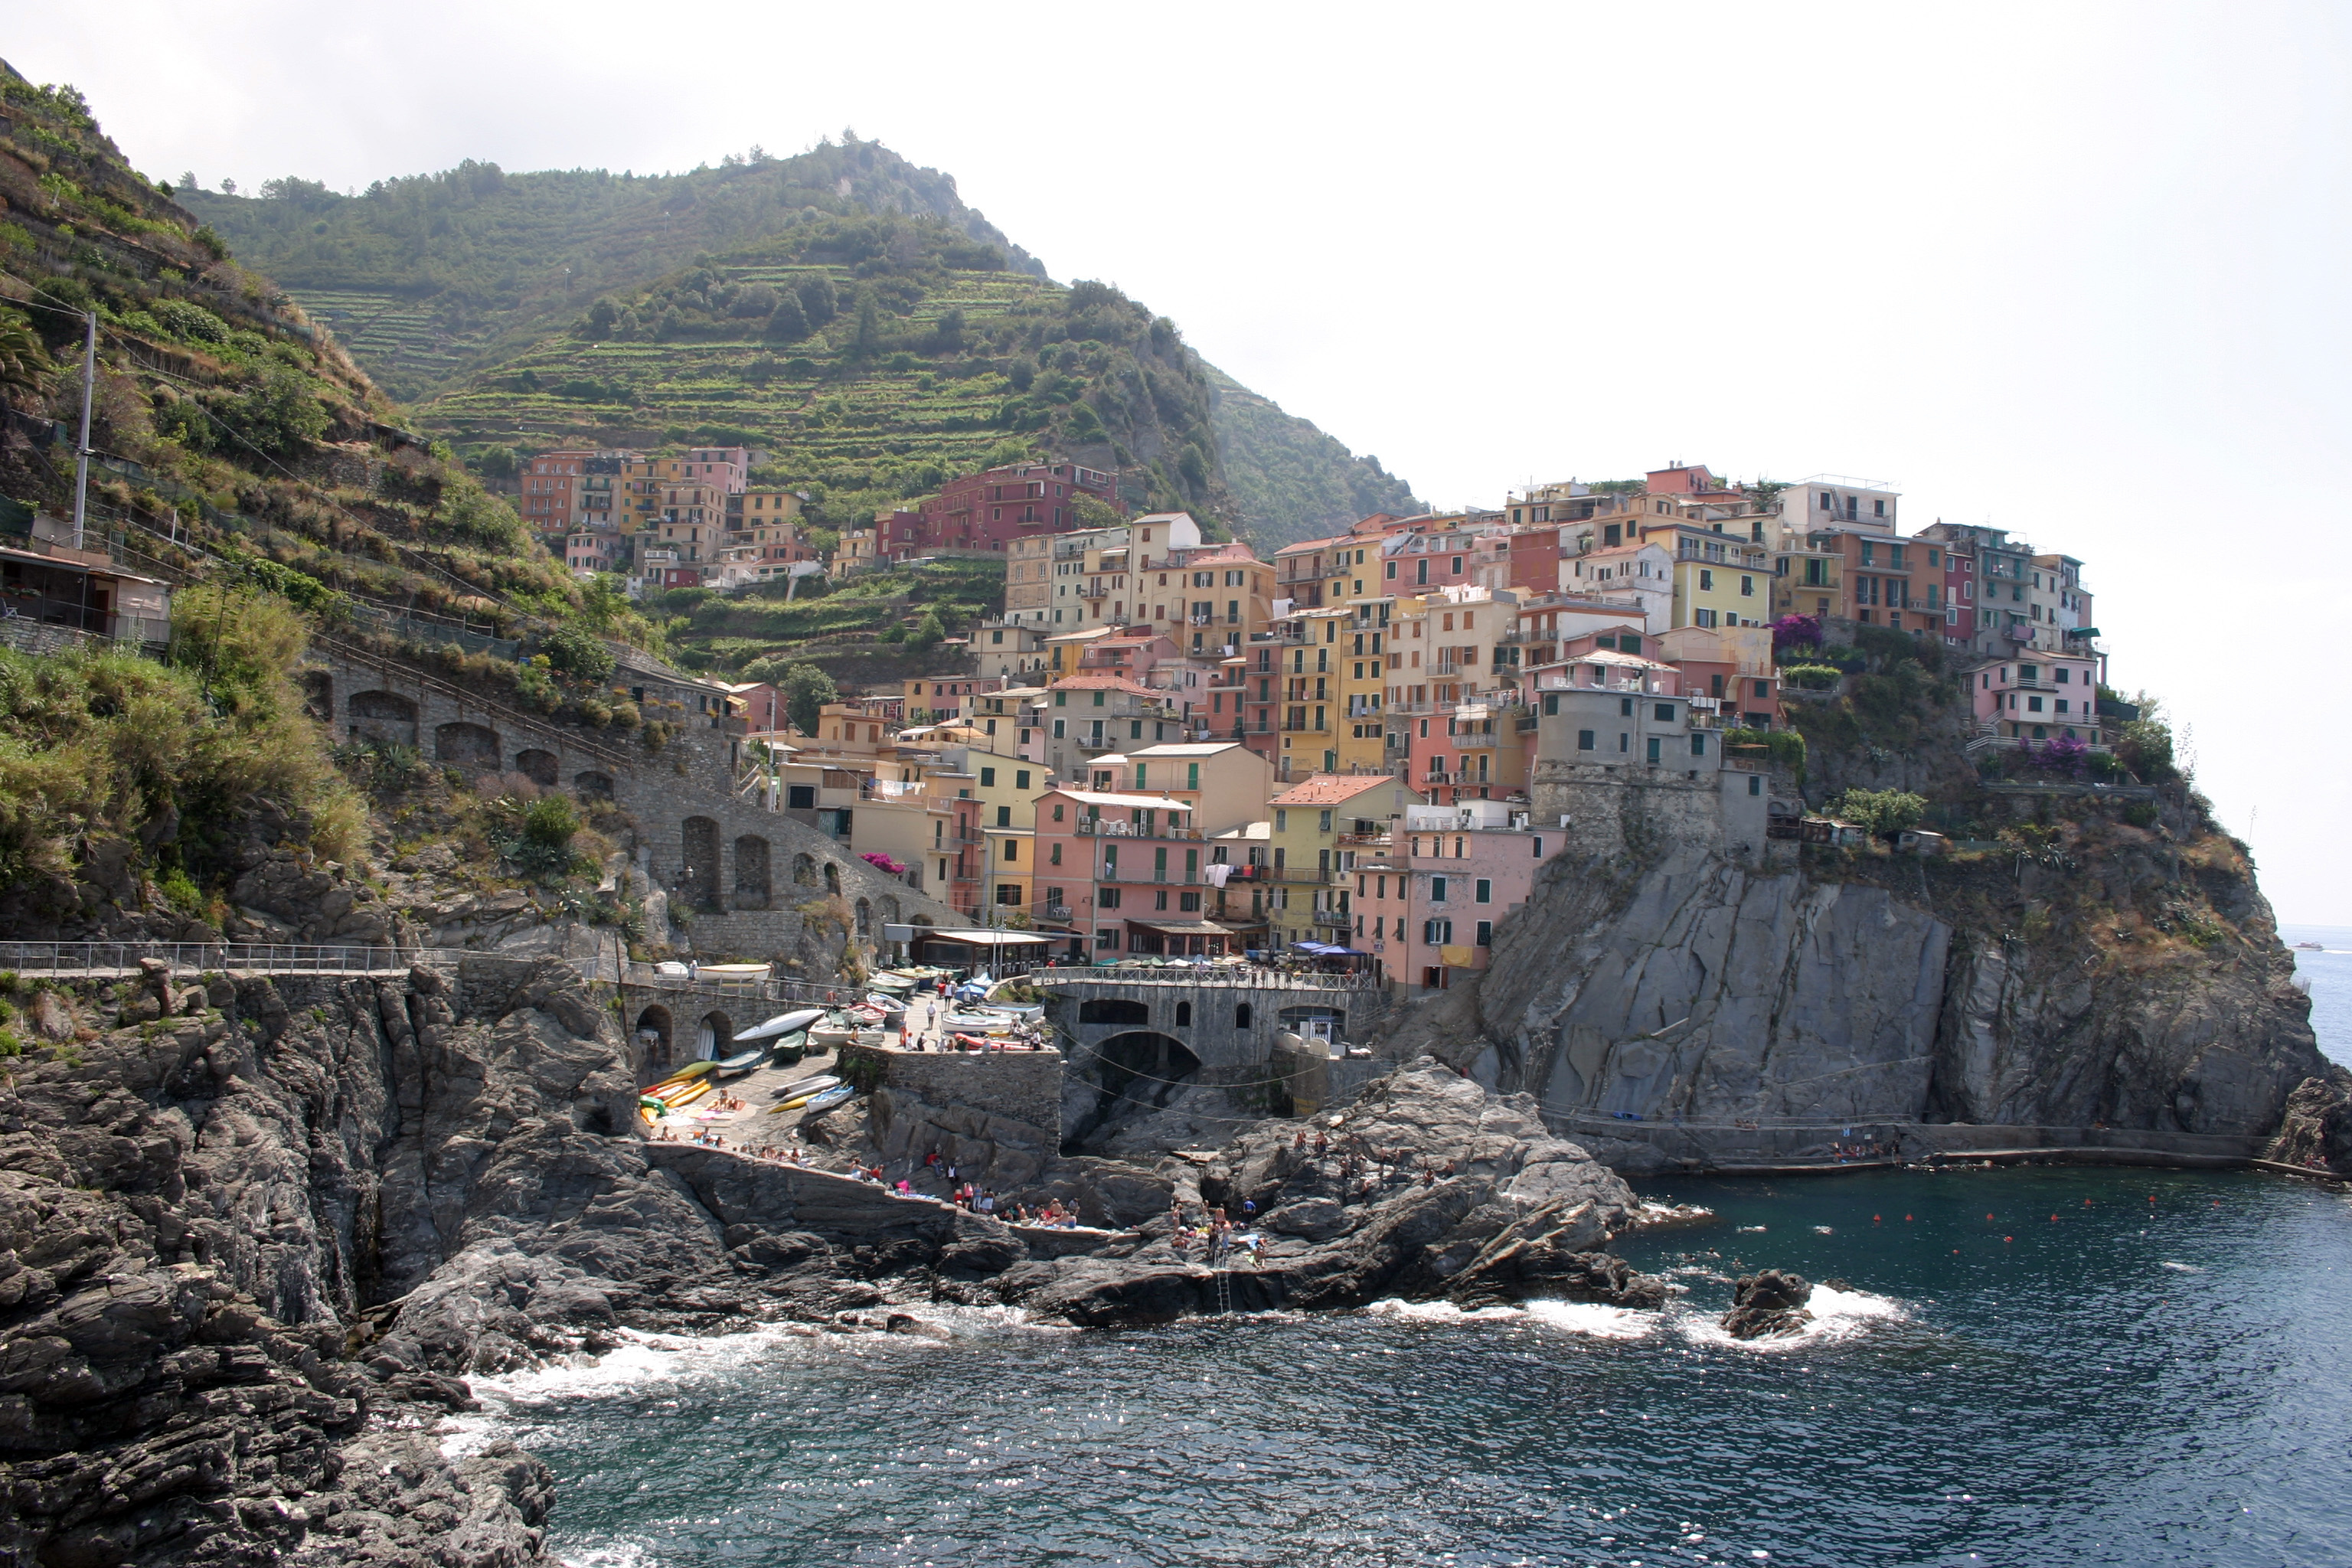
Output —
<point x="621" y="1554"/>
<point x="1595" y="1319"/>
<point x="1440" y="1312"/>
<point x="1838" y="1315"/>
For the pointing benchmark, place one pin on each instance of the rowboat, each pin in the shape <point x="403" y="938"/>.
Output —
<point x="831" y="1098"/>
<point x="806" y="1098"/>
<point x="801" y="1088"/>
<point x="892" y="1006"/>
<point x="835" y="1031"/>
<point x="781" y="1024"/>
<point x="736" y="1064"/>
<point x="787" y="1051"/>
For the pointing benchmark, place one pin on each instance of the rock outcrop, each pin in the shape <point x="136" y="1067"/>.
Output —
<point x="1767" y="1304"/>
<point x="2317" y="1131"/>
<point x="1862" y="990"/>
<point x="1428" y="1184"/>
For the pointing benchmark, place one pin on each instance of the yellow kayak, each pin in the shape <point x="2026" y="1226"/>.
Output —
<point x="690" y="1072"/>
<point x="691" y="1095"/>
<point x="669" y="1093"/>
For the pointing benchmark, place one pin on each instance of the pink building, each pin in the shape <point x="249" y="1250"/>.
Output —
<point x="1428" y="909"/>
<point x="2049" y="696"/>
<point x="1132" y="869"/>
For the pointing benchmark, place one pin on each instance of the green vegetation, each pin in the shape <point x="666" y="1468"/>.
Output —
<point x="872" y="359"/>
<point x="1881" y="813"/>
<point x="806" y="689"/>
<point x="1897" y="686"/>
<point x="99" y="746"/>
<point x="1291" y="481"/>
<point x="865" y="631"/>
<point x="233" y="429"/>
<point x="694" y="308"/>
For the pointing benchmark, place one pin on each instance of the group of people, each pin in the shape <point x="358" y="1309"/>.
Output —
<point x="1216" y="1234"/>
<point x="1866" y="1149"/>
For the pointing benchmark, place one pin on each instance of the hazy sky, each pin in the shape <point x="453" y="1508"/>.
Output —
<point x="2075" y="270"/>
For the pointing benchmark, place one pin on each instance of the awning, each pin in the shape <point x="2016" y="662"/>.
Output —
<point x="1181" y="928"/>
<point x="982" y="938"/>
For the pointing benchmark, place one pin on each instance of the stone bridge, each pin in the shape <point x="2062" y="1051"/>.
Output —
<point x="750" y="881"/>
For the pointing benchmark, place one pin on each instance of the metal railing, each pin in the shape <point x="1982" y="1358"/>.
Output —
<point x="1240" y="976"/>
<point x="214" y="957"/>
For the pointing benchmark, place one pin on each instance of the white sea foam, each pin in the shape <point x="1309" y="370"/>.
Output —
<point x="1838" y="1315"/>
<point x="619" y="1553"/>
<point x="1592" y="1318"/>
<point x="1440" y="1312"/>
<point x="2181" y="1267"/>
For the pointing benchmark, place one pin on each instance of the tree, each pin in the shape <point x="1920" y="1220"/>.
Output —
<point x="601" y="318"/>
<point x="281" y="416"/>
<point x="865" y="341"/>
<point x="806" y="689"/>
<point x="23" y="360"/>
<point x="818" y="301"/>
<point x="1091" y="511"/>
<point x="1882" y="812"/>
<point x="926" y="634"/>
<point x="578" y="655"/>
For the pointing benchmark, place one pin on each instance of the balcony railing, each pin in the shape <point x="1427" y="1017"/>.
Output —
<point x="1099" y="827"/>
<point x="1334" y="918"/>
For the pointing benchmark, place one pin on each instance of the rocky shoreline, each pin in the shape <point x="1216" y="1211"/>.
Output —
<point x="256" y="1234"/>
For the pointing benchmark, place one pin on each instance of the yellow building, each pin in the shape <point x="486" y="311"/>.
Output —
<point x="1320" y="827"/>
<point x="1719" y="579"/>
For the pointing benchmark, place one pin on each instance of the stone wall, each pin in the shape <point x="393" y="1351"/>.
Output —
<point x="1609" y="809"/>
<point x="996" y="1116"/>
<point x="752" y="881"/>
<point x="1017" y="1086"/>
<point x="1226" y="1026"/>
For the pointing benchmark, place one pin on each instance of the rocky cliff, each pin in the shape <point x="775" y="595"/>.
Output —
<point x="2095" y="970"/>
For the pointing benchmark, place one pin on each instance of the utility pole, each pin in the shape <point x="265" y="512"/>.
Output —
<point x="82" y="452"/>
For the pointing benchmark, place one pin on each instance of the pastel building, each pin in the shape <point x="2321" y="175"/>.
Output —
<point x="1132" y="870"/>
<point x="2041" y="698"/>
<point x="1427" y="910"/>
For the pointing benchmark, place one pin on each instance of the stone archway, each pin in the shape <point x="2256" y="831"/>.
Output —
<point x="803" y="871"/>
<point x="865" y="918"/>
<point x="713" y="1033"/>
<point x="832" y="878"/>
<point x="593" y="785"/>
<point x="654" y="1040"/>
<point x="752" y="887"/>
<point x="890" y="908"/>
<point x="1133" y="1073"/>
<point x="1112" y="1010"/>
<point x="698" y="864"/>
<point x="385" y="717"/>
<point x="540" y="768"/>
<point x="465" y="745"/>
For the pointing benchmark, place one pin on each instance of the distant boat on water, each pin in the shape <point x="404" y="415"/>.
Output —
<point x="2311" y="947"/>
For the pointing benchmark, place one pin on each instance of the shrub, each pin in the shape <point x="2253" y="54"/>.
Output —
<point x="574" y="653"/>
<point x="1883" y="813"/>
<point x="551" y="822"/>
<point x="1810" y="676"/>
<point x="181" y="893"/>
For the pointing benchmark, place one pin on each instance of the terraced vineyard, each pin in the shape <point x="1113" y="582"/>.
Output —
<point x="395" y="332"/>
<point x="871" y="359"/>
<point x="755" y="633"/>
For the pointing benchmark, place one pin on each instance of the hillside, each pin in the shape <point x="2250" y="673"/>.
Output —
<point x="1293" y="481"/>
<point x="866" y="634"/>
<point x="230" y="430"/>
<point x="430" y="276"/>
<point x="871" y="358"/>
<point x="451" y="287"/>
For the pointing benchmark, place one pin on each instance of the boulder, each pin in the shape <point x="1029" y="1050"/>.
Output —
<point x="1767" y="1304"/>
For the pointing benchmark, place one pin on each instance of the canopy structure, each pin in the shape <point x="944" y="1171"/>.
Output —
<point x="1327" y="949"/>
<point x="978" y="938"/>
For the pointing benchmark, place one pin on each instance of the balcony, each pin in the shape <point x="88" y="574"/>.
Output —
<point x="1057" y="911"/>
<point x="1334" y="918"/>
<point x="1099" y="827"/>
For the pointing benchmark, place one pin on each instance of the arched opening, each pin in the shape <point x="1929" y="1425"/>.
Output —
<point x="803" y="871"/>
<point x="1134" y="1073"/>
<point x="654" y="1041"/>
<point x="832" y="878"/>
<point x="1324" y="1024"/>
<point x="890" y="908"/>
<point x="751" y="888"/>
<point x="467" y="746"/>
<point x="865" y="918"/>
<point x="712" y="1035"/>
<point x="698" y="864"/>
<point x="1241" y="1015"/>
<point x="319" y="695"/>
<point x="1183" y="1014"/>
<point x="593" y="785"/>
<point x="540" y="767"/>
<point x="385" y="717"/>
<point x="1113" y="1010"/>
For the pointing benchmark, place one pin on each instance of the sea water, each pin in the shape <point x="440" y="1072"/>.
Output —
<point x="2028" y="1367"/>
<point x="2328" y="972"/>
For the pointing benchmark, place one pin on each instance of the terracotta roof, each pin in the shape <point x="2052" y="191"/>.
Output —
<point x="1330" y="789"/>
<point x="1233" y="550"/>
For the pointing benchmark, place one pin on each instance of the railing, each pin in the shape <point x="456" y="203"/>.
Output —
<point x="203" y="957"/>
<point x="1099" y="827"/>
<point x="1251" y="975"/>
<point x="1334" y="918"/>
